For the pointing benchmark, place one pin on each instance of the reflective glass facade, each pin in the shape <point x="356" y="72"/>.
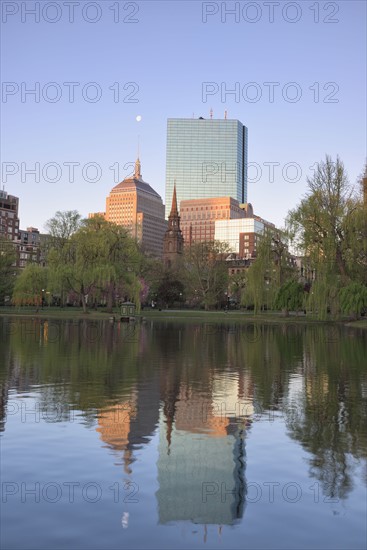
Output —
<point x="207" y="158"/>
<point x="229" y="231"/>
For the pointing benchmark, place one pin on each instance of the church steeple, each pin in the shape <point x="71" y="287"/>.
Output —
<point x="173" y="239"/>
<point x="174" y="211"/>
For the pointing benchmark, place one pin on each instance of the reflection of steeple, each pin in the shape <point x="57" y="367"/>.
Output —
<point x="171" y="392"/>
<point x="128" y="460"/>
<point x="168" y="411"/>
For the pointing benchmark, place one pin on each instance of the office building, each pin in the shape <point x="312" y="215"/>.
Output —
<point x="9" y="221"/>
<point x="134" y="204"/>
<point x="242" y="235"/>
<point x="206" y="159"/>
<point x="198" y="217"/>
<point x="31" y="247"/>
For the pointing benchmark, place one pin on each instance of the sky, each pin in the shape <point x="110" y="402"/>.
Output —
<point x="296" y="70"/>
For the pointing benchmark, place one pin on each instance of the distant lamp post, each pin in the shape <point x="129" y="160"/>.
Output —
<point x="42" y="297"/>
<point x="227" y="301"/>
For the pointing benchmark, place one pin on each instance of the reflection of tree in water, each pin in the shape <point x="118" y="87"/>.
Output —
<point x="166" y="363"/>
<point x="6" y="368"/>
<point x="328" y="417"/>
<point x="331" y="424"/>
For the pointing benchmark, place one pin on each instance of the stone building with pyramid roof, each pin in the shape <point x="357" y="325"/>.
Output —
<point x="134" y="204"/>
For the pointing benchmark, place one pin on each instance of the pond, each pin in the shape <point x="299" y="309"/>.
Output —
<point x="182" y="435"/>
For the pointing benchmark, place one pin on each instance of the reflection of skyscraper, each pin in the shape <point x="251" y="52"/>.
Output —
<point x="131" y="423"/>
<point x="201" y="459"/>
<point x="201" y="480"/>
<point x="144" y="423"/>
<point x="114" y="427"/>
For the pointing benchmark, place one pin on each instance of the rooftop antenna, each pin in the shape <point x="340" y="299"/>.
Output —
<point x="193" y="115"/>
<point x="225" y="114"/>
<point x="211" y="113"/>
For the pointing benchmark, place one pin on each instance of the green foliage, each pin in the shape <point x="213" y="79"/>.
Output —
<point x="355" y="243"/>
<point x="170" y="290"/>
<point x="62" y="226"/>
<point x="30" y="286"/>
<point x="353" y="299"/>
<point x="323" y="296"/>
<point x="7" y="268"/>
<point x="237" y="285"/>
<point x="268" y="272"/>
<point x="329" y="227"/>
<point x="206" y="274"/>
<point x="290" y="296"/>
<point x="318" y="222"/>
<point x="98" y="259"/>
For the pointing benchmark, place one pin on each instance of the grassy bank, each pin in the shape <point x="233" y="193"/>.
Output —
<point x="55" y="313"/>
<point x="176" y="315"/>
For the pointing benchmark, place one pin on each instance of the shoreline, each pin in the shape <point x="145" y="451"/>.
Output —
<point x="182" y="315"/>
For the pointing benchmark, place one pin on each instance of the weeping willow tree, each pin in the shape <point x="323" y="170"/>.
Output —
<point x="7" y="268"/>
<point x="269" y="272"/>
<point x="99" y="259"/>
<point x="328" y="228"/>
<point x="289" y="297"/>
<point x="353" y="299"/>
<point x="260" y="285"/>
<point x="30" y="286"/>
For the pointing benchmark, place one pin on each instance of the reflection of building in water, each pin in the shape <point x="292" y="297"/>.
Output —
<point x="130" y="424"/>
<point x="202" y="455"/>
<point x="144" y="423"/>
<point x="114" y="427"/>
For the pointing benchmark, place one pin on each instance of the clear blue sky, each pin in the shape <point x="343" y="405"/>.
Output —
<point x="169" y="53"/>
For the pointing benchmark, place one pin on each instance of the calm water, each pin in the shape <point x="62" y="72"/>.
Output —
<point x="178" y="435"/>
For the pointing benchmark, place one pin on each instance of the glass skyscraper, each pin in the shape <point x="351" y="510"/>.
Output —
<point x="206" y="158"/>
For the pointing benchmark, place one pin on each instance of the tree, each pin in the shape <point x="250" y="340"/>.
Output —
<point x="206" y="273"/>
<point x="7" y="268"/>
<point x="353" y="299"/>
<point x="329" y="228"/>
<point x="289" y="297"/>
<point x="170" y="290"/>
<point x="269" y="271"/>
<point x="317" y="223"/>
<point x="355" y="243"/>
<point x="62" y="226"/>
<point x="30" y="286"/>
<point x="237" y="285"/>
<point x="100" y="258"/>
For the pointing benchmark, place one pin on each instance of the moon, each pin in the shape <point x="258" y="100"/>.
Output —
<point x="138" y="118"/>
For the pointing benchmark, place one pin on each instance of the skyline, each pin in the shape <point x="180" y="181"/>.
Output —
<point x="156" y="58"/>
